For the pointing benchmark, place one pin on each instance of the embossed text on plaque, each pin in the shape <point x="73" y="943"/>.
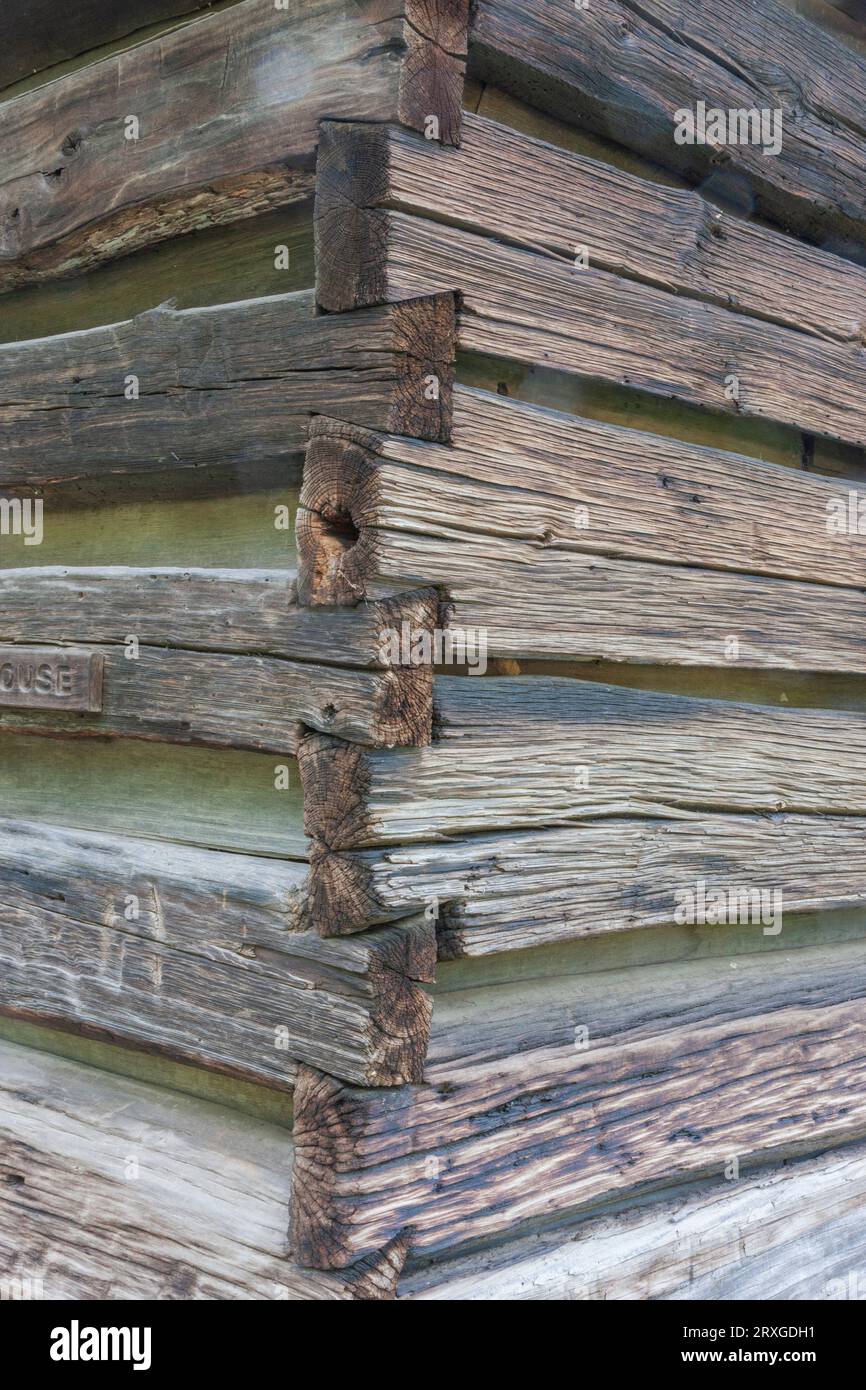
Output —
<point x="58" y="678"/>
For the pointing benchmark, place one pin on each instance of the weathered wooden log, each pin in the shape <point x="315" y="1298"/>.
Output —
<point x="510" y="891"/>
<point x="231" y="384"/>
<point x="213" y="121"/>
<point x="207" y="957"/>
<point x="792" y="1232"/>
<point x="91" y="1156"/>
<point x="223" y="699"/>
<point x="535" y="308"/>
<point x="560" y="1096"/>
<point x="565" y="538"/>
<point x="36" y="34"/>
<point x="625" y="71"/>
<point x="252" y="611"/>
<point x="524" y="191"/>
<point x="528" y="752"/>
<point x="546" y="476"/>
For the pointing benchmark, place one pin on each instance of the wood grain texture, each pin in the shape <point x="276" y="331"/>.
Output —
<point x="508" y="892"/>
<point x="436" y="35"/>
<point x="538" y="309"/>
<point x="525" y="523"/>
<point x="624" y="68"/>
<point x="252" y="611"/>
<point x="36" y="34"/>
<point x="520" y="1122"/>
<point x="205" y="957"/>
<point x="527" y="192"/>
<point x="206" y="1209"/>
<point x="234" y="93"/>
<point x="514" y="752"/>
<point x="233" y="384"/>
<point x="794" y="1232"/>
<point x="240" y="701"/>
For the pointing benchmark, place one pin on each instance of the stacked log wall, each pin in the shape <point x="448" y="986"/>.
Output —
<point x="688" y="416"/>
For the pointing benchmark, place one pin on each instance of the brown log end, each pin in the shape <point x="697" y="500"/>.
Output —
<point x="416" y="611"/>
<point x="405" y="960"/>
<point x="404" y="709"/>
<point x="331" y="1123"/>
<point x="375" y="1278"/>
<point x="341" y="895"/>
<point x="434" y="68"/>
<point x="339" y="505"/>
<point x="335" y="778"/>
<point x="350" y="232"/>
<point x="425" y="336"/>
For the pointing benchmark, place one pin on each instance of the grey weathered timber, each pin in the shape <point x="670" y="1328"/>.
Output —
<point x="207" y="957"/>
<point x="505" y="184"/>
<point x="88" y="1157"/>
<point x="227" y="109"/>
<point x="560" y="1096"/>
<point x="239" y="701"/>
<point x="233" y="384"/>
<point x="531" y="307"/>
<point x="533" y="474"/>
<point x="512" y="752"/>
<point x="508" y="892"/>
<point x="36" y="34"/>
<point x="795" y="1231"/>
<point x="252" y="611"/>
<point x="624" y="69"/>
<point x="567" y="538"/>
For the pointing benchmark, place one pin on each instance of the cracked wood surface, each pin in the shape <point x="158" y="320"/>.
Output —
<point x="791" y="1232"/>
<point x="207" y="1207"/>
<point x="236" y="701"/>
<point x="530" y="307"/>
<point x="556" y="1097"/>
<point x="233" y="384"/>
<point x="232" y="94"/>
<point x="227" y="109"/>
<point x="521" y="753"/>
<point x="566" y="538"/>
<point x="508" y="892"/>
<point x="228" y="610"/>
<point x="507" y="185"/>
<point x="205" y="957"/>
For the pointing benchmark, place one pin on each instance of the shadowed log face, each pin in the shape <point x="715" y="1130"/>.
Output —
<point x="625" y="69"/>
<point x="212" y="122"/>
<point x="36" y="34"/>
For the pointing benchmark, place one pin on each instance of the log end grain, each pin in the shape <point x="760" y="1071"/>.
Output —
<point x="430" y="95"/>
<point x="330" y="1125"/>
<point x="335" y="778"/>
<point x="403" y="961"/>
<point x="339" y="503"/>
